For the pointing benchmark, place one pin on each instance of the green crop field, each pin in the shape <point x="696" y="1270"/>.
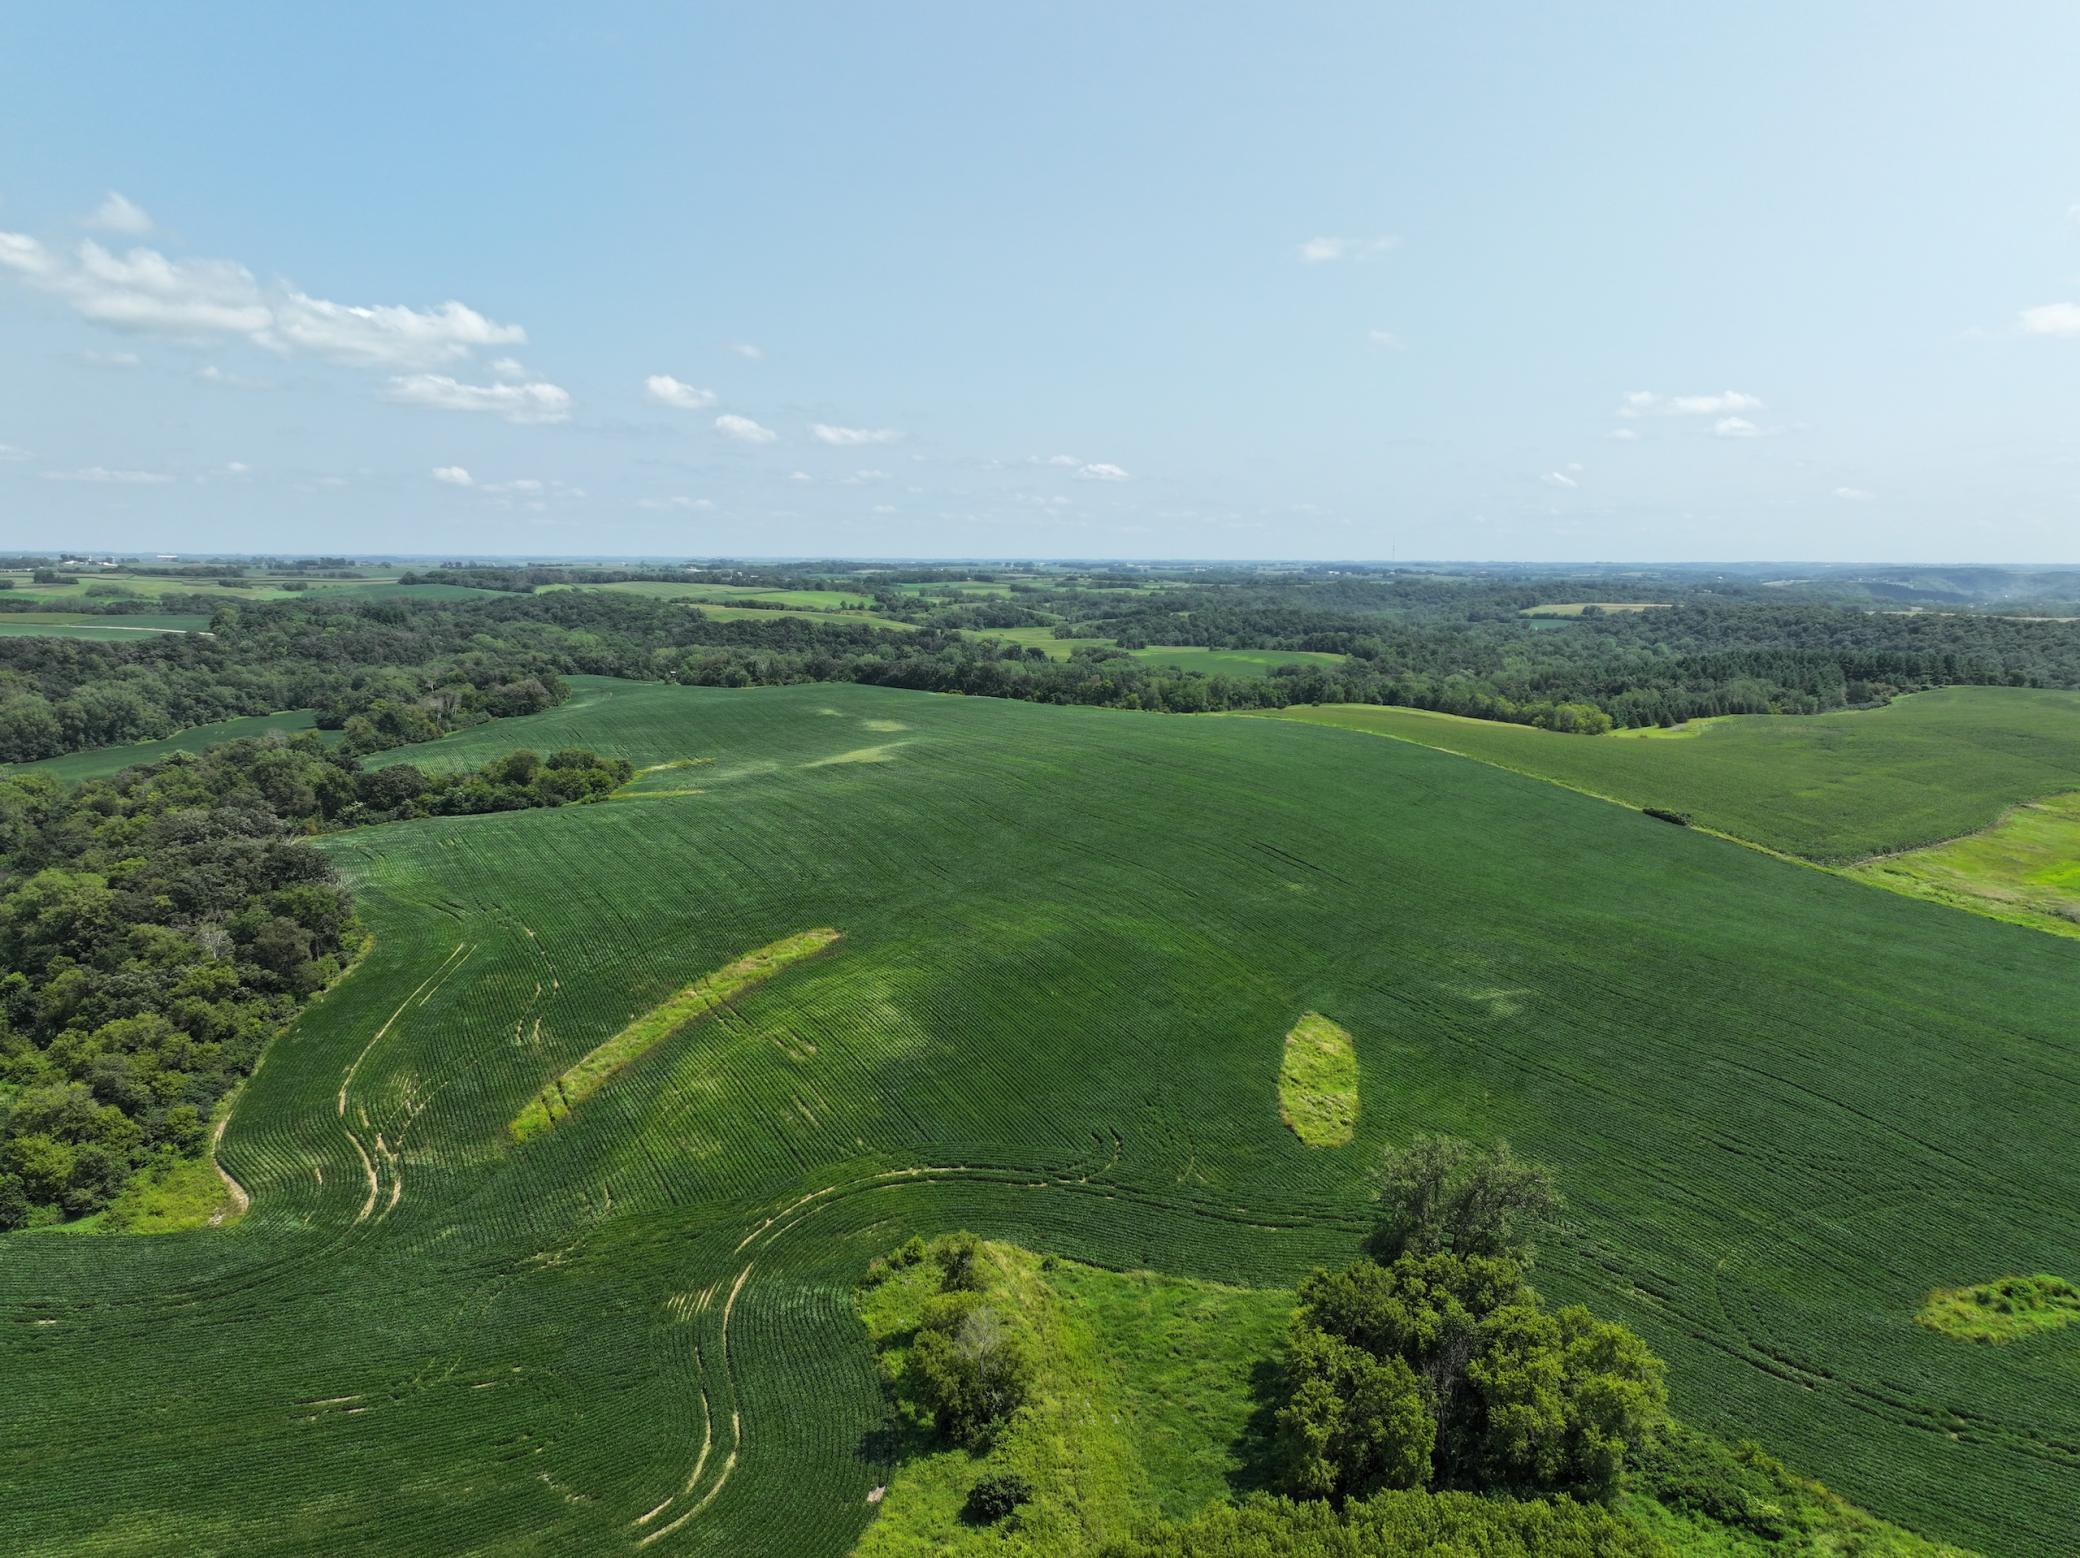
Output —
<point x="1039" y="638"/>
<point x="100" y="762"/>
<point x="1830" y="787"/>
<point x="72" y="624"/>
<point x="1784" y="1108"/>
<point x="1231" y="662"/>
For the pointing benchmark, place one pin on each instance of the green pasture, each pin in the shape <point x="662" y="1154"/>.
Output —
<point x="1577" y="607"/>
<point x="1784" y="1109"/>
<point x="1828" y="787"/>
<point x="1230" y="662"/>
<point x="1039" y="638"/>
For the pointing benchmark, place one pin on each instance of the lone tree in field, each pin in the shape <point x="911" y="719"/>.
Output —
<point x="1436" y="1365"/>
<point x="1440" y="1194"/>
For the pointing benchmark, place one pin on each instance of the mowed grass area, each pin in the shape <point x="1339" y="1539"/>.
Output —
<point x="1829" y="787"/>
<point x="1783" y="1108"/>
<point x="1230" y="662"/>
<point x="100" y="762"/>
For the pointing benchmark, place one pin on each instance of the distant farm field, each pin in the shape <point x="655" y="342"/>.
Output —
<point x="1230" y="662"/>
<point x="100" y="762"/>
<point x="1830" y="787"/>
<point x="62" y="624"/>
<point x="1785" y="1109"/>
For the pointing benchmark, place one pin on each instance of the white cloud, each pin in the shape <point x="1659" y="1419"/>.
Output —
<point x="690" y="505"/>
<point x="1624" y="435"/>
<point x="852" y="437"/>
<point x="1068" y="460"/>
<point x="9" y="454"/>
<point x="1324" y="251"/>
<point x="120" y="214"/>
<point x="1646" y="403"/>
<point x="884" y="508"/>
<point x="525" y="404"/>
<point x="799" y="476"/>
<point x="508" y="368"/>
<point x="666" y="390"/>
<point x="1560" y="479"/>
<point x="101" y="473"/>
<point x="743" y="429"/>
<point x="1386" y="340"/>
<point x="1854" y="494"/>
<point x="111" y="359"/>
<point x="142" y="290"/>
<point x="862" y="478"/>
<point x="1101" y="471"/>
<point x="236" y="468"/>
<point x="745" y="350"/>
<point x="1735" y="427"/>
<point x="453" y="476"/>
<point x="2052" y="319"/>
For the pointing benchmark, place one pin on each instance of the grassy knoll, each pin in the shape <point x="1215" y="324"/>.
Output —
<point x="1783" y="1109"/>
<point x="1318" y="1082"/>
<point x="1830" y="787"/>
<point x="100" y="762"/>
<point x="703" y="998"/>
<point x="1139" y="1407"/>
<point x="2002" y="1310"/>
<point x="2025" y="868"/>
<point x="1230" y="662"/>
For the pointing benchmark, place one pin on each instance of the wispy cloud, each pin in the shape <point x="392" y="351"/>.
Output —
<point x="120" y="214"/>
<point x="2051" y="319"/>
<point x="1854" y="494"/>
<point x="525" y="404"/>
<point x="1385" y="340"/>
<point x="144" y="292"/>
<point x="690" y="505"/>
<point x="10" y="454"/>
<point x="1736" y="427"/>
<point x="1101" y="470"/>
<point x="1566" y="478"/>
<point x="453" y="476"/>
<point x="668" y="391"/>
<point x="102" y="474"/>
<point x="1647" y="403"/>
<point x="852" y="437"/>
<point x="1326" y="251"/>
<point x="1623" y="435"/>
<point x="745" y="350"/>
<point x="744" y="430"/>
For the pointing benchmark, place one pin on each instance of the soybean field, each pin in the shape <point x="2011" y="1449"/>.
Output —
<point x="1070" y="944"/>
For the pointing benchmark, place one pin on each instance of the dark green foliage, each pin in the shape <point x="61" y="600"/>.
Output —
<point x="1444" y="1371"/>
<point x="970" y="1370"/>
<point x="1441" y="1194"/>
<point x="1397" y="1522"/>
<point x="1662" y="814"/>
<point x="995" y="1497"/>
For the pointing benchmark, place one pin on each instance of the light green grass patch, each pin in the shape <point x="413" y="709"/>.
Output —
<point x="173" y="1197"/>
<point x="699" y="999"/>
<point x="1139" y="1404"/>
<point x="2025" y="868"/>
<point x="1041" y="638"/>
<point x="2002" y="1310"/>
<point x="1318" y="1082"/>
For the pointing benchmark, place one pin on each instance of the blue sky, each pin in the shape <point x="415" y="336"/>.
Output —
<point x="1543" y="282"/>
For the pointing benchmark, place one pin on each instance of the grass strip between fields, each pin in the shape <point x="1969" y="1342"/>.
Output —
<point x="2002" y="1310"/>
<point x="1318" y="1082"/>
<point x="698" y="1000"/>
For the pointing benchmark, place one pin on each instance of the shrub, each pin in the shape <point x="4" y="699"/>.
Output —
<point x="971" y="1371"/>
<point x="995" y="1497"/>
